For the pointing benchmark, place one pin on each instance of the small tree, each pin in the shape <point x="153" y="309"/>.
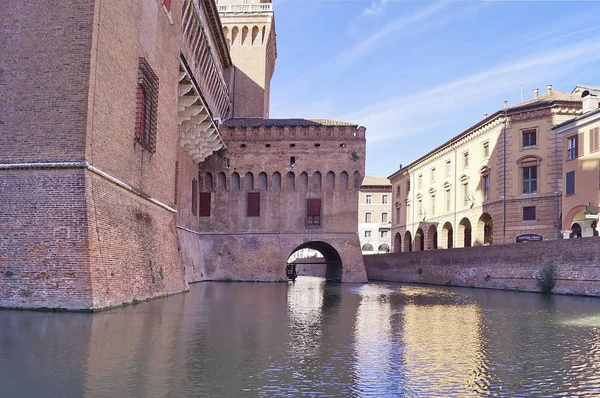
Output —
<point x="546" y="277"/>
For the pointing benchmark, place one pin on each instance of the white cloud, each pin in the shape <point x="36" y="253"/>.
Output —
<point x="377" y="7"/>
<point x="424" y="111"/>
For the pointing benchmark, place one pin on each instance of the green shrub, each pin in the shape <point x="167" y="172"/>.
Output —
<point x="546" y="277"/>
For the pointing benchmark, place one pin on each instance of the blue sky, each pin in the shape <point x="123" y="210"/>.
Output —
<point x="416" y="73"/>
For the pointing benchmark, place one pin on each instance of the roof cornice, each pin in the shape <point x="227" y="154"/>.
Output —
<point x="210" y="6"/>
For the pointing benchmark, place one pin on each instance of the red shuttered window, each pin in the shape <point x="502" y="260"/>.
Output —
<point x="194" y="197"/>
<point x="313" y="212"/>
<point x="253" y="204"/>
<point x="204" y="204"/>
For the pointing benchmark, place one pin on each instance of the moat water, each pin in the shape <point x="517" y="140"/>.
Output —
<point x="310" y="338"/>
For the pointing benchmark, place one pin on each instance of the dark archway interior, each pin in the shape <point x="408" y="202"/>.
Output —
<point x="333" y="271"/>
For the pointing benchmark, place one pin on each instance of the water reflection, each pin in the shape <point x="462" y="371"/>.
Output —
<point x="309" y="338"/>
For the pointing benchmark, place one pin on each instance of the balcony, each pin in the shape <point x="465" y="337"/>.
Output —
<point x="207" y="63"/>
<point x="266" y="7"/>
<point x="385" y="225"/>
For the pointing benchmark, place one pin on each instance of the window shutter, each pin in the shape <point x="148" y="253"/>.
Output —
<point x="253" y="204"/>
<point x="594" y="140"/>
<point x="570" y="183"/>
<point x="579" y="144"/>
<point x="313" y="207"/>
<point x="204" y="204"/>
<point x="194" y="197"/>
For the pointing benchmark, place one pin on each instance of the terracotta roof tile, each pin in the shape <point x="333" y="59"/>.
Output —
<point x="372" y="180"/>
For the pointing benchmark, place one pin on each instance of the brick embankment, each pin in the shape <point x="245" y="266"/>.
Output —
<point x="508" y="267"/>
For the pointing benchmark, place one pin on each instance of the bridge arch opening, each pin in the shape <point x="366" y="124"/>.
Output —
<point x="320" y="254"/>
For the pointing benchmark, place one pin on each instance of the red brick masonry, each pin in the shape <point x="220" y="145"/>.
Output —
<point x="509" y="267"/>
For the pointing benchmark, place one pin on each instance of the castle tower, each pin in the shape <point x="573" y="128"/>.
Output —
<point x="249" y="26"/>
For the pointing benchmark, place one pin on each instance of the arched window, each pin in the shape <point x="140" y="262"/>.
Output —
<point x="221" y="182"/>
<point x="262" y="180"/>
<point x="367" y="247"/>
<point x="290" y="182"/>
<point x="208" y="182"/>
<point x="356" y="181"/>
<point x="343" y="181"/>
<point x="235" y="181"/>
<point x="276" y="181"/>
<point x="330" y="182"/>
<point x="316" y="181"/>
<point x="249" y="181"/>
<point x="303" y="181"/>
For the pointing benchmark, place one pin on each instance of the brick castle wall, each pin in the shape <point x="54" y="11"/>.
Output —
<point x="510" y="266"/>
<point x="44" y="250"/>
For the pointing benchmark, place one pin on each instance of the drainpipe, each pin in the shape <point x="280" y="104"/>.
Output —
<point x="455" y="193"/>
<point x="504" y="171"/>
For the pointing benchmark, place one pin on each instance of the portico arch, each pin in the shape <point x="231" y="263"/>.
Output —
<point x="485" y="228"/>
<point x="464" y="230"/>
<point x="419" y="240"/>
<point x="334" y="268"/>
<point x="397" y="243"/>
<point x="432" y="237"/>
<point x="407" y="242"/>
<point x="447" y="236"/>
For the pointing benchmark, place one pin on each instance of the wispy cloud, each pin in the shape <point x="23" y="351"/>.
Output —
<point x="377" y="7"/>
<point x="412" y="114"/>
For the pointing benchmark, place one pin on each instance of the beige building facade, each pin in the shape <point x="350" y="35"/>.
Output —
<point x="581" y="168"/>
<point x="499" y="181"/>
<point x="375" y="215"/>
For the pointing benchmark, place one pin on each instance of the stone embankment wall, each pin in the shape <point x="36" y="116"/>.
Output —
<point x="508" y="267"/>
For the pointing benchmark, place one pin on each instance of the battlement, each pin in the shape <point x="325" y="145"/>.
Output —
<point x="270" y="132"/>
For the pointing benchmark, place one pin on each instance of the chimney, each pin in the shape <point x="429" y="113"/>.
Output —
<point x="589" y="103"/>
<point x="505" y="104"/>
<point x="485" y="115"/>
<point x="400" y="167"/>
<point x="536" y="93"/>
<point x="549" y="89"/>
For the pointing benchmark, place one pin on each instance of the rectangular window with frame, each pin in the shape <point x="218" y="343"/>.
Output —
<point x="465" y="195"/>
<point x="594" y="140"/>
<point x="384" y="217"/>
<point x="368" y="217"/>
<point x="448" y="168"/>
<point x="572" y="147"/>
<point x="529" y="213"/>
<point x="485" y="186"/>
<point x="383" y="234"/>
<point x="530" y="180"/>
<point x="313" y="212"/>
<point x="529" y="138"/>
<point x="420" y="181"/>
<point x="398" y="191"/>
<point x="407" y="187"/>
<point x="147" y="107"/>
<point x="204" y="210"/>
<point x="570" y="177"/>
<point x="433" y="175"/>
<point x="194" y="197"/>
<point x="465" y="159"/>
<point x="384" y="199"/>
<point x="369" y="199"/>
<point x="448" y="198"/>
<point x="486" y="150"/>
<point x="398" y="214"/>
<point x="420" y="207"/>
<point x="367" y="234"/>
<point x="253" y="204"/>
<point x="432" y="205"/>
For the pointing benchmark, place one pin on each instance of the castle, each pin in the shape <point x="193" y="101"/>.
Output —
<point x="138" y="156"/>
